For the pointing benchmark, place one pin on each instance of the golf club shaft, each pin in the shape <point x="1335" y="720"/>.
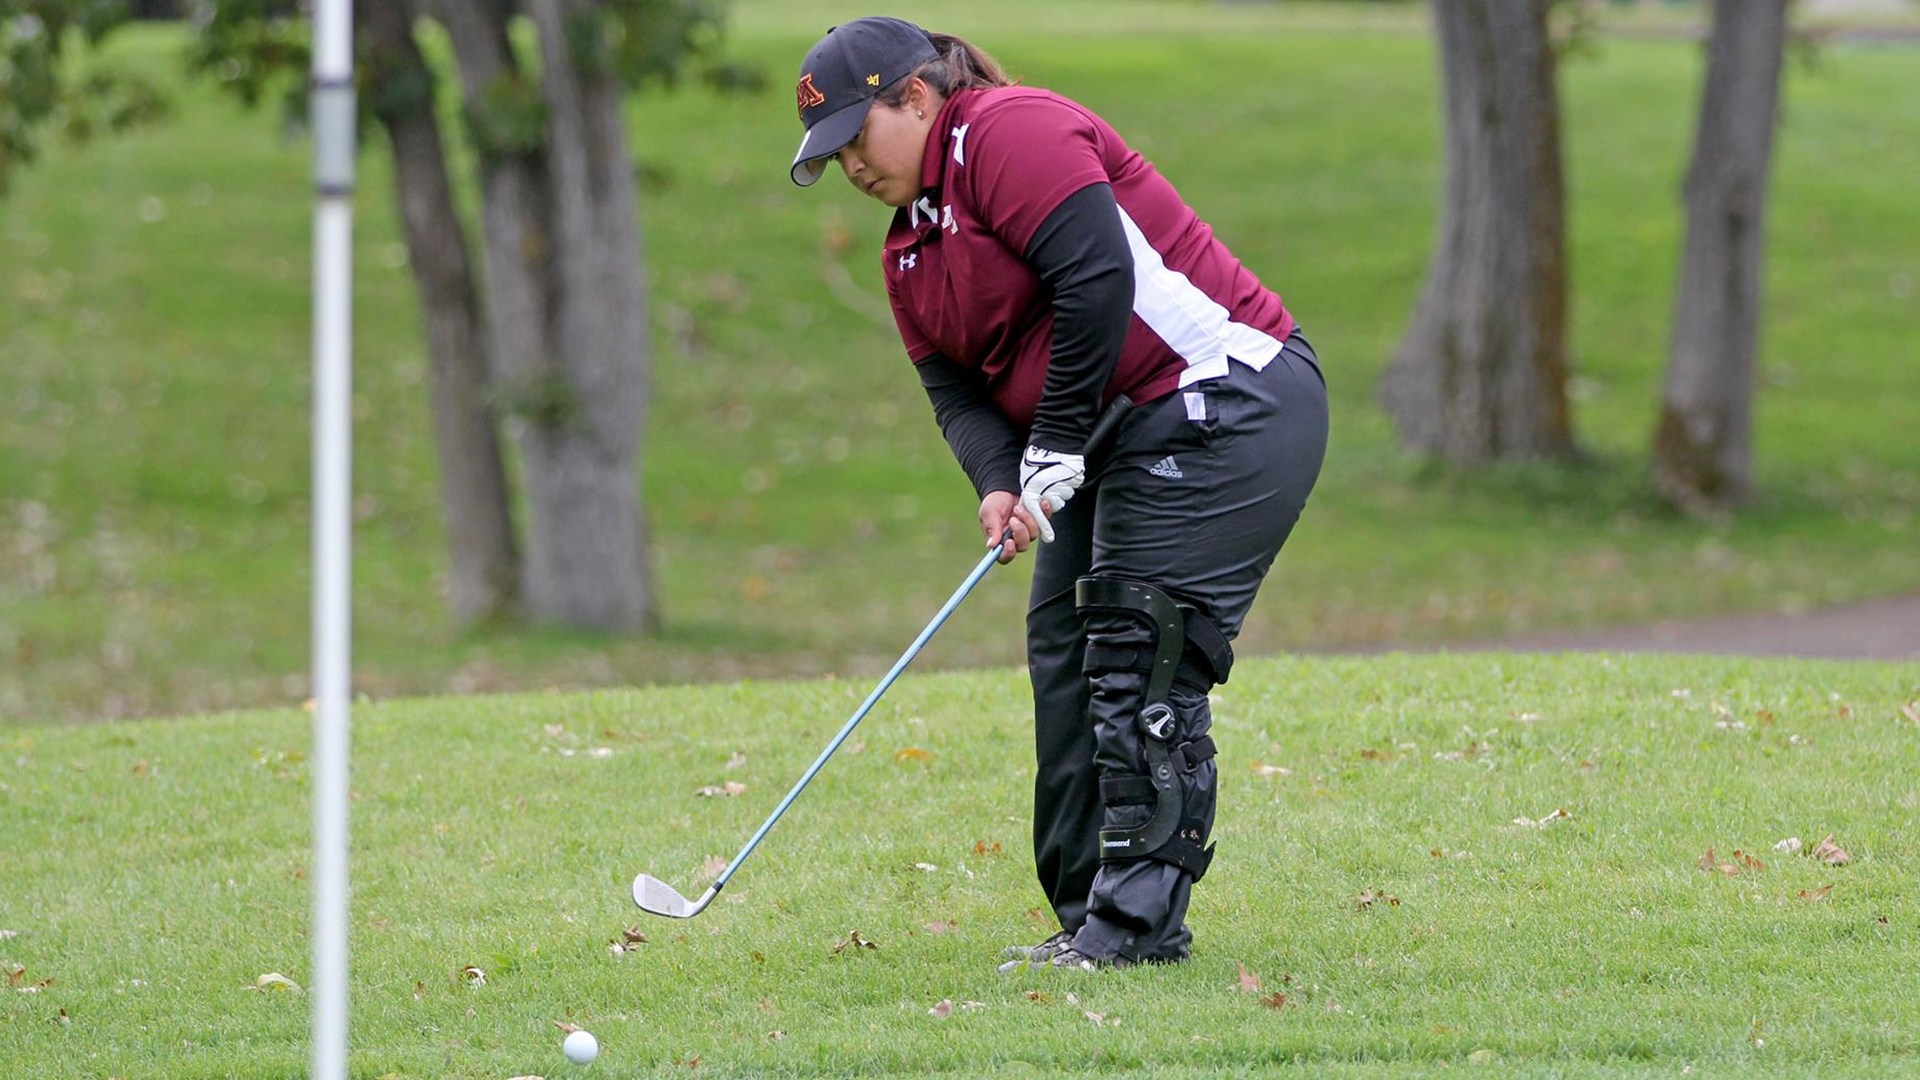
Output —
<point x="979" y="571"/>
<point x="1103" y="430"/>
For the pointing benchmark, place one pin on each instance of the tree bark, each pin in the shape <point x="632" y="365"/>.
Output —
<point x="587" y="558"/>
<point x="1703" y="445"/>
<point x="1481" y="374"/>
<point x="483" y="570"/>
<point x="567" y="326"/>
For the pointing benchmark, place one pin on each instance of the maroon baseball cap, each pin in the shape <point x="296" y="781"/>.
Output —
<point x="839" y="79"/>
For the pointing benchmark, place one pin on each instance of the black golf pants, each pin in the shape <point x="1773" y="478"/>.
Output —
<point x="1194" y="496"/>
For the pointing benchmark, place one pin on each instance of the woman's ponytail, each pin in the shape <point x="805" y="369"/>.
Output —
<point x="961" y="65"/>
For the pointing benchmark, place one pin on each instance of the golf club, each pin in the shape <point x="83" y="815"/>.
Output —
<point x="660" y="898"/>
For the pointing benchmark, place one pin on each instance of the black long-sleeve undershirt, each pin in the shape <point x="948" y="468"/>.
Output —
<point x="1080" y="251"/>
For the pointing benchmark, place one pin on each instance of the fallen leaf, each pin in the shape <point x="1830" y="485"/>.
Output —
<point x="1275" y="1000"/>
<point x="554" y="731"/>
<point x="1073" y="998"/>
<point x="1790" y="845"/>
<point x="273" y="980"/>
<point x="980" y="848"/>
<point x="925" y="866"/>
<point x="1816" y="894"/>
<point x="5" y="934"/>
<point x="15" y="974"/>
<point x="140" y="768"/>
<point x="854" y="939"/>
<point x="1846" y="712"/>
<point x="938" y="927"/>
<point x="712" y="867"/>
<point x="776" y="1036"/>
<point x="1367" y="899"/>
<point x="1747" y="862"/>
<point x="1099" y="1019"/>
<point x="419" y="991"/>
<point x="1035" y="995"/>
<point x="470" y="975"/>
<point x="1530" y="823"/>
<point x="64" y="1018"/>
<point x="942" y="1010"/>
<point x="1912" y="711"/>
<point x="633" y="936"/>
<point x="913" y="753"/>
<point x="736" y="761"/>
<point x="729" y="789"/>
<point x="969" y="1006"/>
<point x="1830" y="853"/>
<point x="1248" y="983"/>
<point x="1706" y="861"/>
<point x="566" y="1027"/>
<point x="1262" y="769"/>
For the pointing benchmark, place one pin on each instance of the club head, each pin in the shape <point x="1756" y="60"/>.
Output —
<point x="659" y="898"/>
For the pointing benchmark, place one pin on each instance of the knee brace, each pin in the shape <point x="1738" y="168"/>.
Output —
<point x="1187" y="649"/>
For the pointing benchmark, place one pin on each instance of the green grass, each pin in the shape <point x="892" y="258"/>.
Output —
<point x="153" y="387"/>
<point x="154" y="871"/>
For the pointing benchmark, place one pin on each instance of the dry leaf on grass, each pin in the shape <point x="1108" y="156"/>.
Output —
<point x="776" y="1035"/>
<point x="15" y="974"/>
<point x="738" y="760"/>
<point x="1099" y="1019"/>
<point x="913" y="753"/>
<point x="1816" y="894"/>
<point x="980" y="848"/>
<point x="712" y="867"/>
<point x="1263" y="769"/>
<point x="1275" y="1000"/>
<point x="1790" y="845"/>
<point x="729" y="789"/>
<point x="565" y="1027"/>
<point x="1912" y="711"/>
<point x="273" y="980"/>
<point x="856" y="941"/>
<point x="925" y="867"/>
<point x="1366" y="900"/>
<point x="1830" y="853"/>
<point x="5" y="934"/>
<point x="1248" y="983"/>
<point x="1036" y="995"/>
<point x="1530" y="823"/>
<point x="469" y="975"/>
<point x="938" y="927"/>
<point x="942" y="1010"/>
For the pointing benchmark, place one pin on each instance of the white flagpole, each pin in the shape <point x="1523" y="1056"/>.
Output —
<point x="333" y="144"/>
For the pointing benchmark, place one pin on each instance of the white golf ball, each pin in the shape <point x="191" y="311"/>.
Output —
<point x="581" y="1047"/>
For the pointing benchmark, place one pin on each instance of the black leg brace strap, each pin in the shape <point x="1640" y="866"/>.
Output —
<point x="1170" y="835"/>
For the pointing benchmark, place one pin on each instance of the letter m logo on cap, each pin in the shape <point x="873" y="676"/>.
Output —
<point x="805" y="95"/>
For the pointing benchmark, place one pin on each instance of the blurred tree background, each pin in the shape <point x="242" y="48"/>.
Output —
<point x="153" y="320"/>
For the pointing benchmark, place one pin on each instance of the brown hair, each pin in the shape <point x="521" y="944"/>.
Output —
<point x="960" y="66"/>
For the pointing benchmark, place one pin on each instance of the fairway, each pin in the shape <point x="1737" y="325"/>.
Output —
<point x="154" y="390"/>
<point x="155" y="872"/>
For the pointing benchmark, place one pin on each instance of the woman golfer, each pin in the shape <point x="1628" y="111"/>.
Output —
<point x="1038" y="269"/>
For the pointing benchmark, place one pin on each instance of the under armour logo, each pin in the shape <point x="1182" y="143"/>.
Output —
<point x="907" y="261"/>
<point x="1165" y="467"/>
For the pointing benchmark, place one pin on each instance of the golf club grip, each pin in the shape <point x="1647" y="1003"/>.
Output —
<point x="1109" y="423"/>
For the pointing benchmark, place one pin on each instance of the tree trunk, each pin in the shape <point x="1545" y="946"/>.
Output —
<point x="567" y="325"/>
<point x="587" y="558"/>
<point x="1703" y="446"/>
<point x="483" y="572"/>
<point x="1481" y="374"/>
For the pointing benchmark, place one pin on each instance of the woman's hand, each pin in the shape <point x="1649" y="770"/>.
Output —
<point x="1001" y="511"/>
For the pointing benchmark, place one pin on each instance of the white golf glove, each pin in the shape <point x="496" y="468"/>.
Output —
<point x="1049" y="478"/>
